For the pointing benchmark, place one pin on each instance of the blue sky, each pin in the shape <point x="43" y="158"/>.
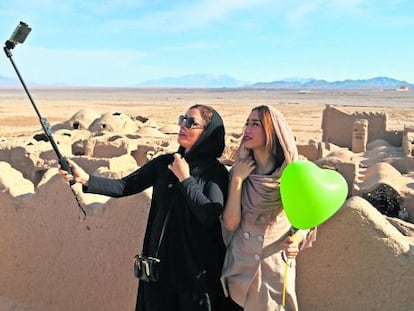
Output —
<point x="122" y="43"/>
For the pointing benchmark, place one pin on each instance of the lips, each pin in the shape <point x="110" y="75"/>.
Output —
<point x="246" y="138"/>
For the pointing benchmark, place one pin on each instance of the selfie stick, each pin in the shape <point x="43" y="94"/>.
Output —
<point x="19" y="36"/>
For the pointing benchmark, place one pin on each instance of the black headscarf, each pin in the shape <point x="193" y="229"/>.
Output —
<point x="210" y="144"/>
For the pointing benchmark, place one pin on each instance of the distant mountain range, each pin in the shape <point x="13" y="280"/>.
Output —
<point x="224" y="81"/>
<point x="382" y="83"/>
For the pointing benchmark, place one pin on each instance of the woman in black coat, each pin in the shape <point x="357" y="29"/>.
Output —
<point x="189" y="190"/>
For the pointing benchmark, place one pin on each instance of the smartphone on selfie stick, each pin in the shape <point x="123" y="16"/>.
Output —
<point x="19" y="35"/>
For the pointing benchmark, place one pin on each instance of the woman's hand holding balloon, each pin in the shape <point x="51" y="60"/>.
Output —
<point x="290" y="245"/>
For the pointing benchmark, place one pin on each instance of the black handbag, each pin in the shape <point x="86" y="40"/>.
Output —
<point x="147" y="268"/>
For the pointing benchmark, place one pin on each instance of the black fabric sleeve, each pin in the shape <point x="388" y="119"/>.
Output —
<point x="205" y="205"/>
<point x="135" y="182"/>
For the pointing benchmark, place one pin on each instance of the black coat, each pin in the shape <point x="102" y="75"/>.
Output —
<point x="192" y="250"/>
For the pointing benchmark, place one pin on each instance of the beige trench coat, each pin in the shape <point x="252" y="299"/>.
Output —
<point x="254" y="267"/>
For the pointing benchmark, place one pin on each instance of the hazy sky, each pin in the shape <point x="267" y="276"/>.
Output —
<point x="122" y="43"/>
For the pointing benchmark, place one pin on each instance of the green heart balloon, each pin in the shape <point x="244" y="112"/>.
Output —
<point x="310" y="194"/>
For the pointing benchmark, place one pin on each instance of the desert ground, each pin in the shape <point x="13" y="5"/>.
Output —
<point x="303" y="110"/>
<point x="50" y="260"/>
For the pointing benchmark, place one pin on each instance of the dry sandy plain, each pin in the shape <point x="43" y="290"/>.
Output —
<point x="49" y="260"/>
<point x="303" y="110"/>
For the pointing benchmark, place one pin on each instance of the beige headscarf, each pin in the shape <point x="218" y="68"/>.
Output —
<point x="261" y="193"/>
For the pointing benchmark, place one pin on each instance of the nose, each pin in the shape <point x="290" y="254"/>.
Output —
<point x="182" y="123"/>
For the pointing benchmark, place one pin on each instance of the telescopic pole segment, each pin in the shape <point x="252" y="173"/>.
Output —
<point x="43" y="121"/>
<point x="46" y="127"/>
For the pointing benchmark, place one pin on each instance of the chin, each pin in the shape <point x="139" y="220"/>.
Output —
<point x="182" y="143"/>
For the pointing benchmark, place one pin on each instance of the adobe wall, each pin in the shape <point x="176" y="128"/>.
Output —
<point x="50" y="260"/>
<point x="336" y="125"/>
<point x="53" y="261"/>
<point x="358" y="262"/>
<point x="408" y="141"/>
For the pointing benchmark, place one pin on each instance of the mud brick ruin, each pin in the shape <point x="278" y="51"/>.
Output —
<point x="360" y="132"/>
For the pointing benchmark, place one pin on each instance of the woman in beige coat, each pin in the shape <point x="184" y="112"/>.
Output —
<point x="257" y="232"/>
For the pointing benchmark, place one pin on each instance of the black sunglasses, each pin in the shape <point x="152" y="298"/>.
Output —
<point x="189" y="122"/>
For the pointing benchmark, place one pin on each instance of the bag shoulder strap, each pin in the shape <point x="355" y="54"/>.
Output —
<point x="162" y="232"/>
